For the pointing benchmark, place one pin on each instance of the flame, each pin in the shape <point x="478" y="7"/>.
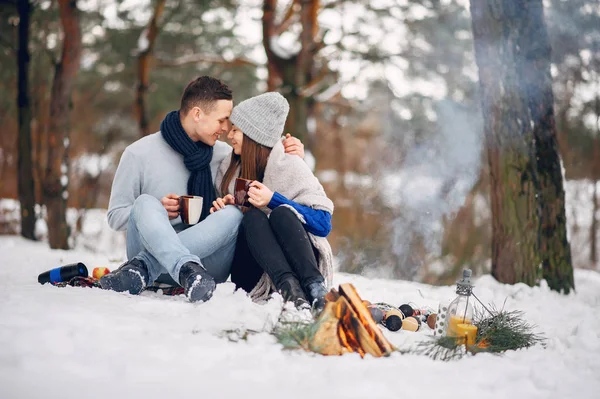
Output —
<point x="355" y="329"/>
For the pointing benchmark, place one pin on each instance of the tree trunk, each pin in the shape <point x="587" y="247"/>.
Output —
<point x="144" y="59"/>
<point x="594" y="224"/>
<point x="296" y="123"/>
<point x="292" y="75"/>
<point x="305" y="67"/>
<point x="55" y="186"/>
<point x="274" y="79"/>
<point x="595" y="178"/>
<point x="535" y="81"/>
<point x="26" y="187"/>
<point x="509" y="139"/>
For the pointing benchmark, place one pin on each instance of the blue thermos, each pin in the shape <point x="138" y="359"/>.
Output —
<point x="63" y="273"/>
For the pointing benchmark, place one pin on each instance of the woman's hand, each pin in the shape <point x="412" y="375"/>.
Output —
<point x="221" y="203"/>
<point x="293" y="146"/>
<point x="259" y="194"/>
<point x="171" y="203"/>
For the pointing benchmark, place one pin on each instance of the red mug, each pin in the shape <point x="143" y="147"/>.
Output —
<point x="240" y="193"/>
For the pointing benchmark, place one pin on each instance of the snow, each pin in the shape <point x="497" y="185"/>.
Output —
<point x="285" y="45"/>
<point x="351" y="179"/>
<point x="328" y="93"/>
<point x="92" y="164"/>
<point x="579" y="210"/>
<point x="81" y="342"/>
<point x="143" y="42"/>
<point x="310" y="160"/>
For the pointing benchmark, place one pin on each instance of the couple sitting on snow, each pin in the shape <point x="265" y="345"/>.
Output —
<point x="277" y="244"/>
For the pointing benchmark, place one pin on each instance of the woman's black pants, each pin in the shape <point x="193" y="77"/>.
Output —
<point x="277" y="245"/>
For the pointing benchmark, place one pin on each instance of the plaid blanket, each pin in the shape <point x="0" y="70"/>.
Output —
<point x="91" y="282"/>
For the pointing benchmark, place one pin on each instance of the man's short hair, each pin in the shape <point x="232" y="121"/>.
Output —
<point x="203" y="92"/>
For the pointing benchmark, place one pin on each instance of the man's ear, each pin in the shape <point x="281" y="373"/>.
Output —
<point x="197" y="113"/>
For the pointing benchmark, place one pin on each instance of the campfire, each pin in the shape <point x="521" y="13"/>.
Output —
<point x="346" y="325"/>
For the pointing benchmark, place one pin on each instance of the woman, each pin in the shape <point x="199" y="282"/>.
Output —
<point x="281" y="243"/>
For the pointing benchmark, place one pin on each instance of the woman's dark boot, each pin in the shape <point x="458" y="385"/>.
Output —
<point x="290" y="290"/>
<point x="316" y="294"/>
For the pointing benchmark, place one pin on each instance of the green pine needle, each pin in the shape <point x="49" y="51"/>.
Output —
<point x="295" y="334"/>
<point x="442" y="348"/>
<point x="503" y="330"/>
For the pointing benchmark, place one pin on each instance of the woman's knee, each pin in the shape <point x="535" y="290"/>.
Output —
<point x="253" y="216"/>
<point x="282" y="215"/>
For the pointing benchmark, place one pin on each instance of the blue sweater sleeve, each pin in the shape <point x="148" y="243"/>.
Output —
<point x="318" y="222"/>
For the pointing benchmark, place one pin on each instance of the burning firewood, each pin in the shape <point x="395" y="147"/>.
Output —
<point x="346" y="325"/>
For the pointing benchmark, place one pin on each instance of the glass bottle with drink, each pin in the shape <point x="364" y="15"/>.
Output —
<point x="460" y="311"/>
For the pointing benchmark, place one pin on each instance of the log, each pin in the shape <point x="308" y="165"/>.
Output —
<point x="348" y="291"/>
<point x="346" y="325"/>
<point x="326" y="341"/>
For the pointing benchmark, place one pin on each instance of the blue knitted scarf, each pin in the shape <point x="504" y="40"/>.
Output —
<point x="196" y="157"/>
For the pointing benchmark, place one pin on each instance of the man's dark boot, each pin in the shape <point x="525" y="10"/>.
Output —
<point x="132" y="276"/>
<point x="197" y="283"/>
<point x="316" y="294"/>
<point x="290" y="290"/>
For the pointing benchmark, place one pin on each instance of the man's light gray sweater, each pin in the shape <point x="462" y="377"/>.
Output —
<point x="151" y="166"/>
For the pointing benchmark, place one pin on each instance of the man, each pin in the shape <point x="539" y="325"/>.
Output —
<point x="182" y="158"/>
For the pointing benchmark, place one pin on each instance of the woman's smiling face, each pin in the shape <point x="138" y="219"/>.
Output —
<point x="236" y="137"/>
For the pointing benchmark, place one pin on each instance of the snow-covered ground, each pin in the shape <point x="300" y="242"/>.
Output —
<point x="89" y="343"/>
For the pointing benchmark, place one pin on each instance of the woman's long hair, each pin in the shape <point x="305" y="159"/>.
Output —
<point x="253" y="160"/>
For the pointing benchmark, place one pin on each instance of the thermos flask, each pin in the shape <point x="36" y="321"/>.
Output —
<point x="63" y="273"/>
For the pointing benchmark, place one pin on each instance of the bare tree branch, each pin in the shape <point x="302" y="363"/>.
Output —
<point x="334" y="4"/>
<point x="311" y="88"/>
<point x="371" y="55"/>
<point x="203" y="58"/>
<point x="287" y="19"/>
<point x="173" y="12"/>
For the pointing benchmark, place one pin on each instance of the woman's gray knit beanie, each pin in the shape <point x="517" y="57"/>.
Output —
<point x="262" y="118"/>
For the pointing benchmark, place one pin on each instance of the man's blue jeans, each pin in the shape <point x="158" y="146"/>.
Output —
<point x="152" y="239"/>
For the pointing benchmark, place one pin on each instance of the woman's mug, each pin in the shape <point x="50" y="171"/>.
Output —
<point x="190" y="208"/>
<point x="240" y="193"/>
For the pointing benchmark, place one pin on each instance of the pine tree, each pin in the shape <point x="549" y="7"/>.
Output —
<point x="529" y="224"/>
<point x="533" y="70"/>
<point x="510" y="143"/>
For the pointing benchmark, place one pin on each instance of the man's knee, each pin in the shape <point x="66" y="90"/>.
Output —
<point x="143" y="203"/>
<point x="230" y="214"/>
